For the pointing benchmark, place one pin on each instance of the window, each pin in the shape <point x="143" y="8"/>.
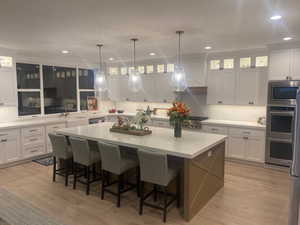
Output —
<point x="6" y="61"/>
<point x="28" y="76"/>
<point x="215" y="64"/>
<point x="60" y="93"/>
<point x="245" y="62"/>
<point x="261" y="61"/>
<point x="160" y="68"/>
<point x="113" y="71"/>
<point x="141" y="69"/>
<point x="29" y="92"/>
<point x="170" y="68"/>
<point x="86" y="78"/>
<point x="228" y="63"/>
<point x="124" y="71"/>
<point x="149" y="69"/>
<point x="83" y="98"/>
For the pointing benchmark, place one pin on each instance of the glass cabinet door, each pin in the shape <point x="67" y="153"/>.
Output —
<point x="28" y="76"/>
<point x="29" y="103"/>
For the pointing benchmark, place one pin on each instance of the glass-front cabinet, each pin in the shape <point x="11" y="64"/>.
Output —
<point x="28" y="76"/>
<point x="29" y="103"/>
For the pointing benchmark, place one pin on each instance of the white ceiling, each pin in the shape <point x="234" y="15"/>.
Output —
<point x="45" y="27"/>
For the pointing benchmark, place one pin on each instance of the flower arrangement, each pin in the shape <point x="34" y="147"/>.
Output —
<point x="178" y="113"/>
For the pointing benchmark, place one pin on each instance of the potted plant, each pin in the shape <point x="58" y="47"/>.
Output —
<point x="177" y="114"/>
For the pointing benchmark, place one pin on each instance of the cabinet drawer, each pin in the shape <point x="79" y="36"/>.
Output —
<point x="9" y="133"/>
<point x="54" y="127"/>
<point x="33" y="140"/>
<point x="29" y="151"/>
<point x="246" y="132"/>
<point x="32" y="131"/>
<point x="215" y="129"/>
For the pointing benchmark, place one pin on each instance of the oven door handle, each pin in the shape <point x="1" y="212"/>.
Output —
<point x="280" y="140"/>
<point x="283" y="113"/>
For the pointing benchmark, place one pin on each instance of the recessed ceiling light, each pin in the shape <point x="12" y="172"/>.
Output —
<point x="287" y="38"/>
<point x="152" y="53"/>
<point x="208" y="47"/>
<point x="275" y="17"/>
<point x="111" y="59"/>
<point x="64" y="51"/>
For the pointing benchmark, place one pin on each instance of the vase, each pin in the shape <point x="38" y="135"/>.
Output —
<point x="177" y="129"/>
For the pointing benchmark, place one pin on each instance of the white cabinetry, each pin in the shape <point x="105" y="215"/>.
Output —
<point x="8" y="86"/>
<point x="283" y="63"/>
<point x="246" y="144"/>
<point x="33" y="141"/>
<point x="194" y="70"/>
<point x="10" y="150"/>
<point x="164" y="89"/>
<point x="251" y="86"/>
<point x="50" y="129"/>
<point x="221" y="87"/>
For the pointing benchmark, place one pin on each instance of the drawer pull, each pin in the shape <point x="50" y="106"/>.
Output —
<point x="32" y="151"/>
<point x="220" y="102"/>
<point x="246" y="138"/>
<point x="33" y="139"/>
<point x="246" y="132"/>
<point x="4" y="140"/>
<point x="56" y="127"/>
<point x="215" y="129"/>
<point x="32" y="130"/>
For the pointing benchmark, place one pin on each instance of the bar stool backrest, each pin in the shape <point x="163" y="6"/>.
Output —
<point x="60" y="146"/>
<point x="153" y="166"/>
<point x="81" y="151"/>
<point x="111" y="157"/>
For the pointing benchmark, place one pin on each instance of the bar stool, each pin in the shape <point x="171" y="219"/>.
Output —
<point x="85" y="158"/>
<point x="156" y="170"/>
<point x="61" y="150"/>
<point x="113" y="162"/>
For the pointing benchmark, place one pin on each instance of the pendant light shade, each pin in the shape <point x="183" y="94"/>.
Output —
<point x="101" y="84"/>
<point x="179" y="77"/>
<point x="134" y="81"/>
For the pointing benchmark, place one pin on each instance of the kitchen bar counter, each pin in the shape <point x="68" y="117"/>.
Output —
<point x="203" y="157"/>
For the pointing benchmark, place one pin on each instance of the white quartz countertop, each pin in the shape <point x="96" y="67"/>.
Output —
<point x="231" y="123"/>
<point x="190" y="145"/>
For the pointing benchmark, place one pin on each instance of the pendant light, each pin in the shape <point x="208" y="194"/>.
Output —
<point x="179" y="77"/>
<point x="101" y="84"/>
<point x="134" y="81"/>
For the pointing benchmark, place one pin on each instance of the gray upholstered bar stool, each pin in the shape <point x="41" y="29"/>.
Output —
<point x="156" y="170"/>
<point x="61" y="151"/>
<point x="85" y="157"/>
<point x="114" y="162"/>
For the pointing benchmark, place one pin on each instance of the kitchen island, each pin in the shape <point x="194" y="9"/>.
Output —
<point x="202" y="154"/>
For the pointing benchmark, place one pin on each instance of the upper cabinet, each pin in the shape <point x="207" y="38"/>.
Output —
<point x="251" y="86"/>
<point x="221" y="87"/>
<point x="238" y="79"/>
<point x="195" y="71"/>
<point x="284" y="63"/>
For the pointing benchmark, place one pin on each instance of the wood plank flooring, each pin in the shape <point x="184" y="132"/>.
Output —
<point x="251" y="196"/>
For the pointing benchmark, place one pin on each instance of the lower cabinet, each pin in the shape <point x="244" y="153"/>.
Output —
<point x="246" y="144"/>
<point x="33" y="141"/>
<point x="10" y="150"/>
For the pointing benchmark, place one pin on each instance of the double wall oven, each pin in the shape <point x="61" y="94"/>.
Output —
<point x="280" y="121"/>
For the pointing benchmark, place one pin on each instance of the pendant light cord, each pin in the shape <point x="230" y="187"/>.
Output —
<point x="134" y="40"/>
<point x="179" y="32"/>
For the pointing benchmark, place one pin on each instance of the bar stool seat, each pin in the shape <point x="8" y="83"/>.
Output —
<point x="114" y="162"/>
<point x="156" y="169"/>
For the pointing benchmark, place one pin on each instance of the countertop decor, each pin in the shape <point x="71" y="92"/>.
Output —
<point x="177" y="114"/>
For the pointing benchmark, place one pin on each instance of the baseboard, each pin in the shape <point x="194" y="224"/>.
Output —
<point x="19" y="162"/>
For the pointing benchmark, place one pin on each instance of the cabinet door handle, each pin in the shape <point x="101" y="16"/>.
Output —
<point x="215" y="129"/>
<point x="55" y="127"/>
<point x="251" y="103"/>
<point x="32" y="151"/>
<point x="4" y="140"/>
<point x="220" y="102"/>
<point x="247" y="132"/>
<point x="33" y="139"/>
<point x="32" y="130"/>
<point x="246" y="138"/>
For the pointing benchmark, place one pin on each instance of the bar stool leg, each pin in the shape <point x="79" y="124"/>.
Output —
<point x="88" y="180"/>
<point x="103" y="184"/>
<point x="66" y="174"/>
<point x="138" y="181"/>
<point x="165" y="204"/>
<point x="75" y="176"/>
<point x="54" y="168"/>
<point x="120" y="186"/>
<point x="178" y="190"/>
<point x="155" y="193"/>
<point x="142" y="197"/>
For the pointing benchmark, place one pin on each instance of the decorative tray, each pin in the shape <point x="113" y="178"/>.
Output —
<point x="131" y="132"/>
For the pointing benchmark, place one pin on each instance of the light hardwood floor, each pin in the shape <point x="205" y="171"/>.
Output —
<point x="251" y="196"/>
